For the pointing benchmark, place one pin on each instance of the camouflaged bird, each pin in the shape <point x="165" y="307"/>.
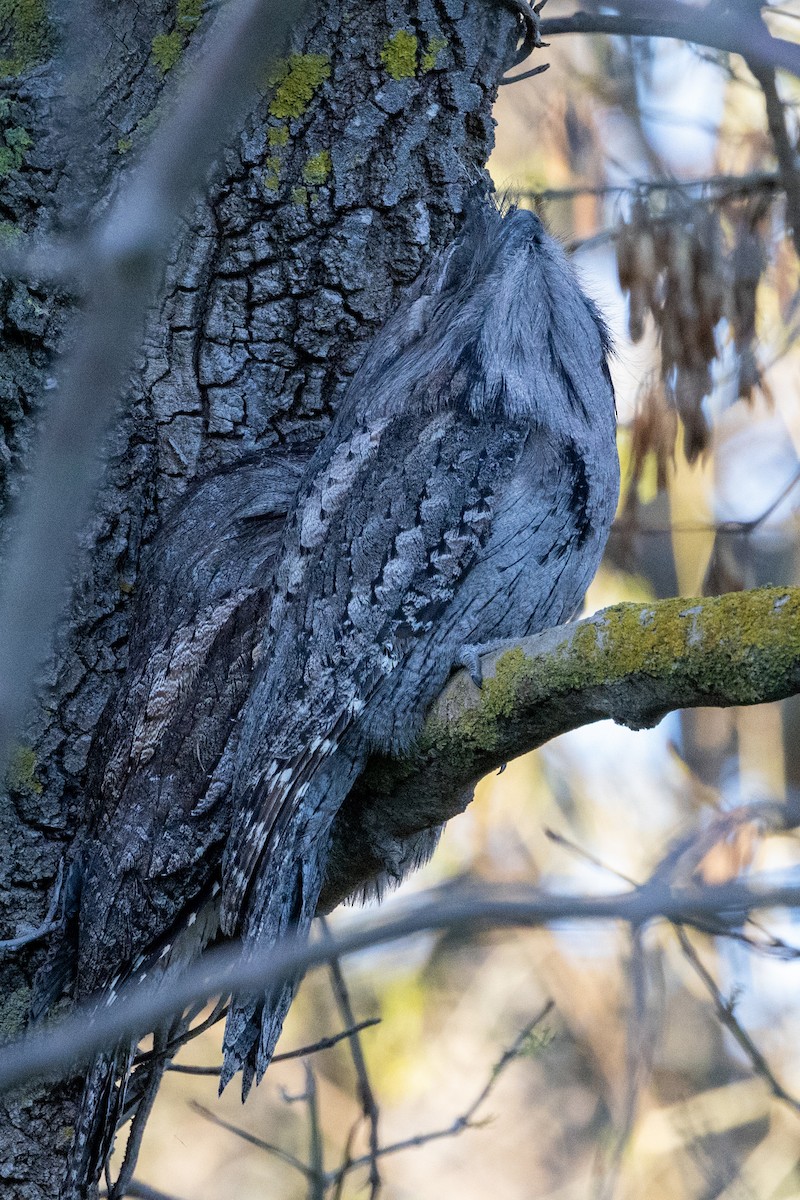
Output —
<point x="463" y="494"/>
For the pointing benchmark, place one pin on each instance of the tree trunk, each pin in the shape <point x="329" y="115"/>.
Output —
<point x="349" y="174"/>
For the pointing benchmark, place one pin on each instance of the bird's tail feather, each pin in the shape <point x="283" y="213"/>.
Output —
<point x="285" y="901"/>
<point x="102" y="1103"/>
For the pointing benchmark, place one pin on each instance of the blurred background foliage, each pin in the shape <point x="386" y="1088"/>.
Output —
<point x="652" y="160"/>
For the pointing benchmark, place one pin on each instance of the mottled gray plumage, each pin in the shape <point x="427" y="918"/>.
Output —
<point x="464" y="493"/>
<point x="141" y="897"/>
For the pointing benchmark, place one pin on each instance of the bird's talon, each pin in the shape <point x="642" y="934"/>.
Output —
<point x="470" y="659"/>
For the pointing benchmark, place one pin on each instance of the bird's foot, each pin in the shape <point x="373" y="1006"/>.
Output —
<point x="470" y="656"/>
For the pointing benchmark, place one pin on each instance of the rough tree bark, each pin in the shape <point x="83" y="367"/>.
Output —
<point x="350" y="172"/>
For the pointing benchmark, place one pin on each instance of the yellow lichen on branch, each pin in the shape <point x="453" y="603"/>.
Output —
<point x="631" y="663"/>
<point x="634" y="662"/>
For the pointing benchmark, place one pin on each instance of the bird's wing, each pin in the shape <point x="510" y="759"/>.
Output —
<point x="406" y="530"/>
<point x="153" y="788"/>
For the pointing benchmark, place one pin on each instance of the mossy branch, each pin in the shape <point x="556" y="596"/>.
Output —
<point x="632" y="663"/>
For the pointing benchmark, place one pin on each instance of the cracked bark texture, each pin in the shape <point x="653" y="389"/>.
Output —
<point x="321" y="212"/>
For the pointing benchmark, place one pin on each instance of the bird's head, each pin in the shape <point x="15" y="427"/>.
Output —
<point x="498" y="324"/>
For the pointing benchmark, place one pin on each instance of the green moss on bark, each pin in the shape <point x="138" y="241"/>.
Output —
<point x="317" y="169"/>
<point x="278" y="135"/>
<point x="742" y="643"/>
<point x="15" y="141"/>
<point x="26" y="35"/>
<point x="429" y="57"/>
<point x="740" y="648"/>
<point x="399" y="54"/>
<point x="403" y="56"/>
<point x="14" y="1011"/>
<point x="295" y="80"/>
<point x="21" y="773"/>
<point x="189" y="14"/>
<point x="166" y="49"/>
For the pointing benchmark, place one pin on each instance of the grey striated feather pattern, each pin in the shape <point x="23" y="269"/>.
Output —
<point x="160" y="770"/>
<point x="141" y="896"/>
<point x="464" y="493"/>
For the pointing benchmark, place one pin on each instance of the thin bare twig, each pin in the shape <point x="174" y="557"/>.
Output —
<point x="771" y="946"/>
<point x="467" y="1119"/>
<point x="560" y="839"/>
<point x="316" y="1162"/>
<point x="48" y="924"/>
<point x="62" y="1045"/>
<point x="610" y="233"/>
<point x="725" y="1013"/>
<point x="785" y="152"/>
<point x="326" y="1043"/>
<point x="727" y="528"/>
<point x="746" y="35"/>
<point x="683" y="858"/>
<point x="218" y="1013"/>
<point x="141" y="1116"/>
<point x="754" y="181"/>
<point x="369" y="1103"/>
<point x="639" y="1057"/>
<point x="521" y="1041"/>
<point x="320" y="1179"/>
<point x="723" y="1007"/>
<point x="252" y="1140"/>
<point x="301" y="1052"/>
<point x="528" y="18"/>
<point x="347" y="1158"/>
